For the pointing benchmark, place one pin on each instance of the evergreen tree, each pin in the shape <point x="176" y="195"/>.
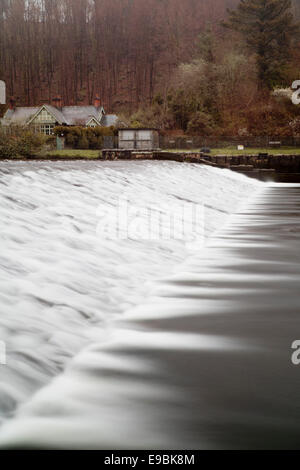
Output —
<point x="206" y="45"/>
<point x="268" y="27"/>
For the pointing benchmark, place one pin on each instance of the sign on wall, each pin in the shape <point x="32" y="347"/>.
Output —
<point x="2" y="92"/>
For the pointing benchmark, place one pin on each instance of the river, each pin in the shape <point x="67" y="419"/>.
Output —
<point x="153" y="337"/>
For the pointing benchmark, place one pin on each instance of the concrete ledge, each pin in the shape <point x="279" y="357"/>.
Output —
<point x="243" y="163"/>
<point x="242" y="167"/>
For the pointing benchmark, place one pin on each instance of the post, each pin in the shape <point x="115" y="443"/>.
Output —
<point x="60" y="143"/>
<point x="2" y="92"/>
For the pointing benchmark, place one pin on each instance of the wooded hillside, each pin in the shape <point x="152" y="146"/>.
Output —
<point x="165" y="63"/>
<point x="123" y="49"/>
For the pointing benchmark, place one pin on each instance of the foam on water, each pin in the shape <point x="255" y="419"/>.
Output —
<point x="63" y="284"/>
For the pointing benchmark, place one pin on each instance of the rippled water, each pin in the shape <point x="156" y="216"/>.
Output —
<point x="65" y="287"/>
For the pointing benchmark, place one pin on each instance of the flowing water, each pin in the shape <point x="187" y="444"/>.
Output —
<point x="114" y="340"/>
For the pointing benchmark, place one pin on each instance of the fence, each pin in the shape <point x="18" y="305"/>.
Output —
<point x="197" y="142"/>
<point x="110" y="142"/>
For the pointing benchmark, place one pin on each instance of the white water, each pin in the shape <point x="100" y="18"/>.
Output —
<point x="63" y="285"/>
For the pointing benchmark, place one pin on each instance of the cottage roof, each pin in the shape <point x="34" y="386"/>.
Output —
<point x="69" y="115"/>
<point x="57" y="113"/>
<point x="109" y="120"/>
<point x="19" y="116"/>
<point x="81" y="115"/>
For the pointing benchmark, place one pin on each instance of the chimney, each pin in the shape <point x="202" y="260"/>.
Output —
<point x="12" y="103"/>
<point x="97" y="102"/>
<point x="57" y="102"/>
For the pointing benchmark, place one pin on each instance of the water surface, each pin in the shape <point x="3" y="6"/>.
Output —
<point x="125" y="343"/>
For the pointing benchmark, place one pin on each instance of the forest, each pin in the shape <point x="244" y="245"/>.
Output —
<point x="181" y="65"/>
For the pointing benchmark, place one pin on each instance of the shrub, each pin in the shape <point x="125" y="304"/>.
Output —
<point x="272" y="119"/>
<point x="84" y="138"/>
<point x="99" y="142"/>
<point x="24" y="144"/>
<point x="93" y="141"/>
<point x="71" y="140"/>
<point x="83" y="142"/>
<point x="201" y="123"/>
<point x="29" y="143"/>
<point x="3" y="108"/>
<point x="8" y="146"/>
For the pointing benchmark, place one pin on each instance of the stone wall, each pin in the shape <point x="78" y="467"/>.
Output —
<point x="244" y="163"/>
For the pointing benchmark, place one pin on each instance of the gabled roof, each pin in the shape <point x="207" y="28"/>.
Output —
<point x="93" y="119"/>
<point x="19" y="116"/>
<point x="69" y="115"/>
<point x="55" y="112"/>
<point x="81" y="115"/>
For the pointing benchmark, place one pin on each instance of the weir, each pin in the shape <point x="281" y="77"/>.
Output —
<point x="249" y="164"/>
<point x="204" y="363"/>
<point x="67" y="274"/>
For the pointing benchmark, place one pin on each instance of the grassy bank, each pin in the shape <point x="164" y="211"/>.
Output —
<point x="70" y="153"/>
<point x="94" y="154"/>
<point x="232" y="151"/>
<point x="74" y="154"/>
